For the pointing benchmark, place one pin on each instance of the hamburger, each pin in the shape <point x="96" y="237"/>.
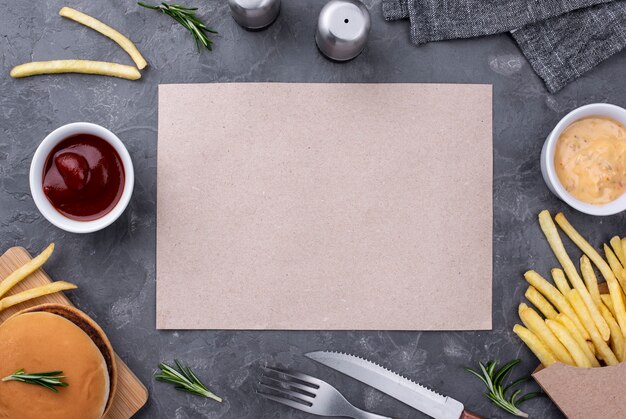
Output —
<point x="53" y="337"/>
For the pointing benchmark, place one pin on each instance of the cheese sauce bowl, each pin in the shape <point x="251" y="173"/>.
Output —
<point x="40" y="164"/>
<point x="548" y="153"/>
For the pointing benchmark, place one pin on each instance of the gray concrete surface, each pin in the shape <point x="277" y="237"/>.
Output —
<point x="115" y="268"/>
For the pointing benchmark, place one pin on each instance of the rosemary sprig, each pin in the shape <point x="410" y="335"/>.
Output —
<point x="49" y="380"/>
<point x="186" y="16"/>
<point x="494" y="381"/>
<point x="184" y="380"/>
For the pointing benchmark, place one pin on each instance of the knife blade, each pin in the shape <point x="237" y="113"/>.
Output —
<point x="401" y="388"/>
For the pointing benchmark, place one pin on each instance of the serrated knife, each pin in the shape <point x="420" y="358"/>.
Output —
<point x="400" y="388"/>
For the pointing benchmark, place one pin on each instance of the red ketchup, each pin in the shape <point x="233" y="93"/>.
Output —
<point x="83" y="177"/>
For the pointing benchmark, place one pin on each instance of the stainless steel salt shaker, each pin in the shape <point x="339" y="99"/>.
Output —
<point x="254" y="14"/>
<point x="342" y="29"/>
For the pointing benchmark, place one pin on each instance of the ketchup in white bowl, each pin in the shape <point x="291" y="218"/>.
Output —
<point x="83" y="177"/>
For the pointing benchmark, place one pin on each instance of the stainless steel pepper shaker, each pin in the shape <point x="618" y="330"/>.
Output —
<point x="342" y="29"/>
<point x="254" y="14"/>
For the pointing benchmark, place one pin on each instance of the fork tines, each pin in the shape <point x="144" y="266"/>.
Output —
<point x="288" y="387"/>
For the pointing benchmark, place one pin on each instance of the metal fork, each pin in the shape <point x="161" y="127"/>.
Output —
<point x="308" y="394"/>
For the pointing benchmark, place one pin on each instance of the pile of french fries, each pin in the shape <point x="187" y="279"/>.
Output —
<point x="584" y="322"/>
<point x="22" y="273"/>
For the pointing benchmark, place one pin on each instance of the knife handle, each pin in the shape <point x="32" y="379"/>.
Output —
<point x="469" y="415"/>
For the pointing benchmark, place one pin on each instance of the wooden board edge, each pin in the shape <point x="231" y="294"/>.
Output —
<point x="17" y="248"/>
<point x="134" y="376"/>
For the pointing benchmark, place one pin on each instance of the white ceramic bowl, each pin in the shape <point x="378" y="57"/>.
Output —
<point x="547" y="158"/>
<point x="36" y="177"/>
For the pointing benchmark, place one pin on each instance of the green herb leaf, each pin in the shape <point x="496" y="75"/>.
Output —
<point x="184" y="379"/>
<point x="186" y="16"/>
<point x="494" y="381"/>
<point x="49" y="380"/>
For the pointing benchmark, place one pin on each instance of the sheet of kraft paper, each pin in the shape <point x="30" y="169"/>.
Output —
<point x="324" y="206"/>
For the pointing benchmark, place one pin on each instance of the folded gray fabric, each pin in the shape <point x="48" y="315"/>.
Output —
<point x="561" y="49"/>
<point x="562" y="39"/>
<point x="435" y="20"/>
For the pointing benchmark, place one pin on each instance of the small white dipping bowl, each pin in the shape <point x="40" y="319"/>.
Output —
<point x="36" y="177"/>
<point x="547" y="158"/>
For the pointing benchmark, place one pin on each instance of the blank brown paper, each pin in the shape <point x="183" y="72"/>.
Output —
<point x="583" y="393"/>
<point x="324" y="206"/>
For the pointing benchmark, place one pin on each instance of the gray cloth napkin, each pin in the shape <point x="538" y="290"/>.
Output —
<point x="562" y="48"/>
<point x="562" y="39"/>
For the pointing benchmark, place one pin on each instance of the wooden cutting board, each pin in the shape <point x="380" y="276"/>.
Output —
<point x="131" y="393"/>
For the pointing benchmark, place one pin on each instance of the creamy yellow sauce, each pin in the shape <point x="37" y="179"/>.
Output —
<point x="590" y="160"/>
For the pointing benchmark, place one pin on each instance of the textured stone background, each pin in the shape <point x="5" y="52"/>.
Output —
<point x="115" y="268"/>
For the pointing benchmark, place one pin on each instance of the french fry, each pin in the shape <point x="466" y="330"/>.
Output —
<point x="556" y="298"/>
<point x="75" y="66"/>
<point x="615" y="289"/>
<point x="554" y="240"/>
<point x="535" y="324"/>
<point x="93" y="23"/>
<point x="616" y="244"/>
<point x="617" y="338"/>
<point x="36" y="292"/>
<point x="28" y="268"/>
<point x="617" y="302"/>
<point x="592" y="349"/>
<point x="560" y="280"/>
<point x="541" y="303"/>
<point x="537" y="347"/>
<point x="624" y="246"/>
<point x="574" y="349"/>
<point x="606" y="300"/>
<point x="616" y="266"/>
<point x="590" y="279"/>
<point x="603" y="349"/>
<point x="586" y="346"/>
